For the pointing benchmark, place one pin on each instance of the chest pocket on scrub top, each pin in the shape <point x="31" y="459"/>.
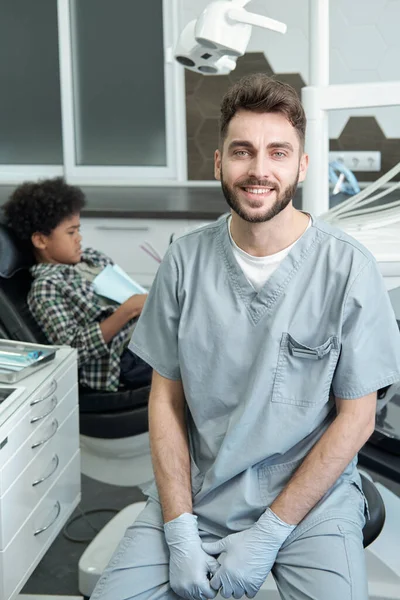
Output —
<point x="304" y="374"/>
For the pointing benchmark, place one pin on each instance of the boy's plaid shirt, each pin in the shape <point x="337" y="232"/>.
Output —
<point x="68" y="310"/>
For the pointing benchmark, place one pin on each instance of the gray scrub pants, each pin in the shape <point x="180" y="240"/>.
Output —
<point x="322" y="559"/>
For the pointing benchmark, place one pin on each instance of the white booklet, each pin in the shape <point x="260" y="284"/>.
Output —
<point x="115" y="284"/>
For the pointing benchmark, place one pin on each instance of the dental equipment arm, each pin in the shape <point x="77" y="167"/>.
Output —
<point x="361" y="198"/>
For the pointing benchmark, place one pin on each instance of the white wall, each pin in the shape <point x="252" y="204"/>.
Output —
<point x="364" y="40"/>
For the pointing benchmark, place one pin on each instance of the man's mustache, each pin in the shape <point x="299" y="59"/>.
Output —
<point x="257" y="182"/>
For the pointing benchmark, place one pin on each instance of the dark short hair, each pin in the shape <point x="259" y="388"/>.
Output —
<point x="262" y="94"/>
<point x="39" y="207"/>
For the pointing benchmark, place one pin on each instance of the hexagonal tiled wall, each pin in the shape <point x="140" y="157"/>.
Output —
<point x="203" y="97"/>
<point x="364" y="133"/>
<point x="365" y="47"/>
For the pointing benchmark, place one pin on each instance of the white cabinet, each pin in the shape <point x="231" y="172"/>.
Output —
<point x="121" y="240"/>
<point x="39" y="467"/>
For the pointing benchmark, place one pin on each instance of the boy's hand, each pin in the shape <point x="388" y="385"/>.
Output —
<point x="134" y="305"/>
<point x="128" y="310"/>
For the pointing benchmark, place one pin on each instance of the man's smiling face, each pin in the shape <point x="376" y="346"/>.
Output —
<point x="260" y="164"/>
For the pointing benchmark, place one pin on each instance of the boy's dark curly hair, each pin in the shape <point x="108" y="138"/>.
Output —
<point x="41" y="206"/>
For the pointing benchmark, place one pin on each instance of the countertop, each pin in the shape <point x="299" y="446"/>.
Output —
<point x="168" y="202"/>
<point x="202" y="203"/>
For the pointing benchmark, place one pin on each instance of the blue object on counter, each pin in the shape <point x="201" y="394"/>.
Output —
<point x="35" y="354"/>
<point x="343" y="180"/>
<point x="15" y="361"/>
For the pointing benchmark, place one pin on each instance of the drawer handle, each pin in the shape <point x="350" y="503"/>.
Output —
<point x="123" y="228"/>
<point x="52" y="389"/>
<point x="56" y="461"/>
<point x="54" y="403"/>
<point x="57" y="506"/>
<point x="55" y="427"/>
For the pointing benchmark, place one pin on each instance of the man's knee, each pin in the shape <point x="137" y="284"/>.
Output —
<point x="326" y="561"/>
<point x="139" y="568"/>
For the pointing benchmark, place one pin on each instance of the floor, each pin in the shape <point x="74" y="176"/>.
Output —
<point x="57" y="572"/>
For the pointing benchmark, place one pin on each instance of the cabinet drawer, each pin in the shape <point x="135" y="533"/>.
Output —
<point x="121" y="239"/>
<point x="56" y="387"/>
<point x="23" y="553"/>
<point x="34" y="482"/>
<point x="42" y="404"/>
<point x="24" y="449"/>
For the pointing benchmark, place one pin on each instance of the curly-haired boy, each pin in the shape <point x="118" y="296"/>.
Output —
<point x="46" y="215"/>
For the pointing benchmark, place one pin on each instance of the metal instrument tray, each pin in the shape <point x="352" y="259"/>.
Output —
<point x="49" y="353"/>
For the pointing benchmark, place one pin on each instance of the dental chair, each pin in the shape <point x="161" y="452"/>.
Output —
<point x="113" y="425"/>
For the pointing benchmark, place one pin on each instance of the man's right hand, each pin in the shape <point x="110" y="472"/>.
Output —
<point x="190" y="568"/>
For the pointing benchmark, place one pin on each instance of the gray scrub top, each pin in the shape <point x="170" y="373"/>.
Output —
<point x="260" y="370"/>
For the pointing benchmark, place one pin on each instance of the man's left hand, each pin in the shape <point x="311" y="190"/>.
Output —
<point x="247" y="557"/>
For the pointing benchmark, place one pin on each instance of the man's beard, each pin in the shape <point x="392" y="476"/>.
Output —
<point x="280" y="203"/>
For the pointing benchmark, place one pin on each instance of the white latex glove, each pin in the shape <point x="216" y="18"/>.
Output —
<point x="247" y="557"/>
<point x="190" y="567"/>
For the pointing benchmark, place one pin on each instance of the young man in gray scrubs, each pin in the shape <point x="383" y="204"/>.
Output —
<point x="269" y="332"/>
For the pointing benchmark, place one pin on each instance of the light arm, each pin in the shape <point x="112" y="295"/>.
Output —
<point x="242" y="16"/>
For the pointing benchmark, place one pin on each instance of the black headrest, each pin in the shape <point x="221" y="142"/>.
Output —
<point x="13" y="256"/>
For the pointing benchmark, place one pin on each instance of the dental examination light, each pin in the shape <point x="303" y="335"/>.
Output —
<point x="211" y="44"/>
